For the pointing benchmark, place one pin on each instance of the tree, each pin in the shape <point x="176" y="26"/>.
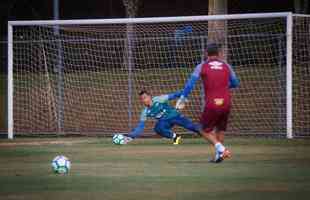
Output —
<point x="301" y="6"/>
<point x="217" y="30"/>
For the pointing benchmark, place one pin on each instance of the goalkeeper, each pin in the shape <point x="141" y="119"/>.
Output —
<point x="166" y="115"/>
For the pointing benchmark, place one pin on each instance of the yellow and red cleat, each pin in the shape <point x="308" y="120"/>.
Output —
<point x="177" y="140"/>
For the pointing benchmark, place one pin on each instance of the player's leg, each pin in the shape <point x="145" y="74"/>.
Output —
<point x="221" y="127"/>
<point x="212" y="150"/>
<point x="163" y="128"/>
<point x="220" y="136"/>
<point x="209" y="121"/>
<point x="186" y="123"/>
<point x="211" y="137"/>
<point x="221" y="152"/>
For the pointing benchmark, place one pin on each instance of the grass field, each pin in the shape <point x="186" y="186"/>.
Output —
<point x="154" y="169"/>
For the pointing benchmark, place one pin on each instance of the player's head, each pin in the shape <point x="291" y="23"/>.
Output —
<point x="213" y="49"/>
<point x="145" y="97"/>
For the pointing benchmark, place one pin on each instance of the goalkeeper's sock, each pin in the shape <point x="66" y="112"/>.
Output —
<point x="177" y="139"/>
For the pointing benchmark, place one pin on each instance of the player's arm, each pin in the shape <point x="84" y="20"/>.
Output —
<point x="234" y="81"/>
<point x="191" y="82"/>
<point x="138" y="130"/>
<point x="189" y="86"/>
<point x="174" y="95"/>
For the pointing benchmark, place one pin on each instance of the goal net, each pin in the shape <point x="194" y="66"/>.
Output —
<point x="84" y="76"/>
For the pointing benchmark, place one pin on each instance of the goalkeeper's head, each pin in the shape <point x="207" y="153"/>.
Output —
<point x="145" y="97"/>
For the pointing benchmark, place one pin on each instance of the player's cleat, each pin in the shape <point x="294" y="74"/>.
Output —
<point x="226" y="154"/>
<point x="219" y="160"/>
<point x="219" y="157"/>
<point x="177" y="139"/>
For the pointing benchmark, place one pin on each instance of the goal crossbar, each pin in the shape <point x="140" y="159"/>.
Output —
<point x="145" y="20"/>
<point x="153" y="20"/>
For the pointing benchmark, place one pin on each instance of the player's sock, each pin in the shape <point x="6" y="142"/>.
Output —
<point x="219" y="147"/>
<point x="221" y="153"/>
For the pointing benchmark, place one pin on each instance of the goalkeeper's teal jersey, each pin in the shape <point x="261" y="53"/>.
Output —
<point x="160" y="109"/>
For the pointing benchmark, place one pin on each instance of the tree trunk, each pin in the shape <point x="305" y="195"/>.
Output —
<point x="217" y="30"/>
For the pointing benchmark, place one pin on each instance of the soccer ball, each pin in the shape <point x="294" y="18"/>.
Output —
<point x="61" y="164"/>
<point x="118" y="139"/>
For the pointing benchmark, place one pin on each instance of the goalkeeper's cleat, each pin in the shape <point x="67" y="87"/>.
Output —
<point x="177" y="139"/>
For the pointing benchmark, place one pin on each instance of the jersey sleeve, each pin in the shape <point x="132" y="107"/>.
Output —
<point x="143" y="115"/>
<point x="197" y="70"/>
<point x="175" y="95"/>
<point x="191" y="82"/>
<point x="234" y="81"/>
<point x="137" y="131"/>
<point x="167" y="97"/>
<point x="161" y="98"/>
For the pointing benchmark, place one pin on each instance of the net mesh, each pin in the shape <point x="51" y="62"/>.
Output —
<point x="301" y="75"/>
<point x="85" y="78"/>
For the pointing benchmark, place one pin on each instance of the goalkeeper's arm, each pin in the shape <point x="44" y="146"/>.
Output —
<point x="136" y="132"/>
<point x="167" y="97"/>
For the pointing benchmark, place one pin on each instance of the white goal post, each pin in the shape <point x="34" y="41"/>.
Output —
<point x="83" y="76"/>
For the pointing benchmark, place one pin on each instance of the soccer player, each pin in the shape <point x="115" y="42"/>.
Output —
<point x="166" y="115"/>
<point x="217" y="77"/>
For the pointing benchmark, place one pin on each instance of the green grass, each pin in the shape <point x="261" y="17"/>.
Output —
<point x="154" y="169"/>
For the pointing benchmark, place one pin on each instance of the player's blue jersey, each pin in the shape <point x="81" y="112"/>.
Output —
<point x="160" y="109"/>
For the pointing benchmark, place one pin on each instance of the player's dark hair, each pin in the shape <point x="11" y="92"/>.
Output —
<point x="142" y="92"/>
<point x="213" y="49"/>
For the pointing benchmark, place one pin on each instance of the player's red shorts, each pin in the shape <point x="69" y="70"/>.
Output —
<point x="214" y="118"/>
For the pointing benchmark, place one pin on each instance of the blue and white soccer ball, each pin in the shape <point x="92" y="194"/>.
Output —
<point x="61" y="164"/>
<point x="118" y="139"/>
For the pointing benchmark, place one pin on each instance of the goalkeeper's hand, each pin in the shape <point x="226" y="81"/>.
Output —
<point x="181" y="103"/>
<point x="127" y="139"/>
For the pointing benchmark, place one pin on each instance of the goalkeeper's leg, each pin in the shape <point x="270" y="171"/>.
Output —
<point x="163" y="128"/>
<point x="187" y="124"/>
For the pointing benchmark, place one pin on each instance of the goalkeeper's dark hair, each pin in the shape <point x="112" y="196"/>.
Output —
<point x="142" y="92"/>
<point x="213" y="49"/>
